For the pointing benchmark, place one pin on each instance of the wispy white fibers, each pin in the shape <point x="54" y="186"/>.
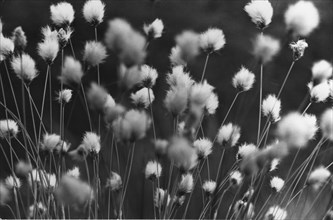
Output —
<point x="13" y="182"/>
<point x="189" y="45"/>
<point x="160" y="197"/>
<point x="62" y="13"/>
<point x="23" y="168"/>
<point x="48" y="49"/>
<point x="153" y="170"/>
<point x="236" y="178"/>
<point x="320" y="92"/>
<point x="126" y="42"/>
<point x="271" y="107"/>
<point x="64" y="36"/>
<point x="19" y="38"/>
<point x="265" y="48"/>
<point x="64" y="96"/>
<point x="245" y="150"/>
<point x="93" y="11"/>
<point x="276" y="213"/>
<point x="94" y="53"/>
<point x="209" y="187"/>
<point x="294" y="129"/>
<point x="154" y="29"/>
<point x="260" y="12"/>
<point x="200" y="93"/>
<point x="132" y="126"/>
<point x="39" y="208"/>
<point x="186" y="184"/>
<point x="8" y="128"/>
<point x="4" y="193"/>
<point x="203" y="147"/>
<point x="228" y="133"/>
<point x="92" y="142"/>
<point x="114" y="181"/>
<point x="129" y="76"/>
<point x="243" y="80"/>
<point x="149" y="76"/>
<point x="298" y="48"/>
<point x="182" y="153"/>
<point x="326" y="123"/>
<point x="176" y="57"/>
<point x="302" y="18"/>
<point x="6" y="47"/>
<point x="321" y="70"/>
<point x="50" y="142"/>
<point x="72" y="191"/>
<point x="24" y="67"/>
<point x="71" y="72"/>
<point x="318" y="177"/>
<point x="141" y="98"/>
<point x="212" y="40"/>
<point x="277" y="183"/>
<point x="212" y="104"/>
<point x="179" y="78"/>
<point x="97" y="96"/>
<point x="74" y="172"/>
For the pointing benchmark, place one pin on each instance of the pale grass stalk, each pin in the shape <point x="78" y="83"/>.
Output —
<point x="306" y="108"/>
<point x="50" y="99"/>
<point x="233" y="200"/>
<point x="151" y="114"/>
<point x="99" y="83"/>
<point x="43" y="102"/>
<point x="127" y="176"/>
<point x="153" y="191"/>
<point x="198" y="171"/>
<point x="86" y="105"/>
<point x="219" y="202"/>
<point x="220" y="165"/>
<point x="205" y="67"/>
<point x="260" y="100"/>
<point x="226" y="116"/>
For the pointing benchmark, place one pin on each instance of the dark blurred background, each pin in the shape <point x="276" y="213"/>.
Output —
<point x="197" y="15"/>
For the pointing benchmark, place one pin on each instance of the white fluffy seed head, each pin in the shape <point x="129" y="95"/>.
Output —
<point x="209" y="187"/>
<point x="277" y="183"/>
<point x="39" y="208"/>
<point x="48" y="49"/>
<point x="92" y="142"/>
<point x="155" y="29"/>
<point x="326" y="124"/>
<point x="318" y="177"/>
<point x="265" y="48"/>
<point x="19" y="38"/>
<point x="71" y="72"/>
<point x="149" y="76"/>
<point x="176" y="57"/>
<point x="114" y="182"/>
<point x="188" y="43"/>
<point x="274" y="164"/>
<point x="6" y="47"/>
<point x="260" y="12"/>
<point x="143" y="97"/>
<point x="240" y="205"/>
<point x="294" y="129"/>
<point x="51" y="142"/>
<point x="312" y="125"/>
<point x="64" y="36"/>
<point x="94" y="52"/>
<point x="74" y="172"/>
<point x="179" y="78"/>
<point x="8" y="128"/>
<point x="271" y="107"/>
<point x="302" y="18"/>
<point x="320" y="92"/>
<point x="160" y="197"/>
<point x="298" y="48"/>
<point x="62" y="14"/>
<point x="48" y="34"/>
<point x="153" y="170"/>
<point x="276" y="213"/>
<point x="243" y="80"/>
<point x="246" y="150"/>
<point x="64" y="95"/>
<point x="212" y="40"/>
<point x="212" y="103"/>
<point x="13" y="182"/>
<point x="182" y="153"/>
<point x="203" y="147"/>
<point x="24" y="67"/>
<point x="93" y="11"/>
<point x="321" y="71"/>
<point x="236" y="178"/>
<point x="228" y="134"/>
<point x="96" y="96"/>
<point x="200" y="93"/>
<point x="176" y="100"/>
<point x="186" y="184"/>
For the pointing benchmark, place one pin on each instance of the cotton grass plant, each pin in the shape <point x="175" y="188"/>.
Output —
<point x="43" y="183"/>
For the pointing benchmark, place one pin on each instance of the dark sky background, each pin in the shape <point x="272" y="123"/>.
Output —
<point x="197" y="15"/>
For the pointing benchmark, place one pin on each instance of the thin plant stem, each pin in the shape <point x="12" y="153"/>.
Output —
<point x="220" y="200"/>
<point x="220" y="165"/>
<point x="86" y="105"/>
<point x="307" y="107"/>
<point x="50" y="99"/>
<point x="43" y="102"/>
<point x="153" y="190"/>
<point x="205" y="67"/>
<point x="151" y="114"/>
<point x="260" y="101"/>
